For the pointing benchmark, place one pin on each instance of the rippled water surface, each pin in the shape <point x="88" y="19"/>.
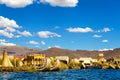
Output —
<point x="88" y="74"/>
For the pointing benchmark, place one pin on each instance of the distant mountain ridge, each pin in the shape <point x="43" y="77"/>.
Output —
<point x="81" y="53"/>
<point x="19" y="50"/>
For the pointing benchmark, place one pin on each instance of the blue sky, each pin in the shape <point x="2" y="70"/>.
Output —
<point x="69" y="24"/>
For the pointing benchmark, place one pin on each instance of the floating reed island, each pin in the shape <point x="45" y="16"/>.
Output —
<point x="40" y="62"/>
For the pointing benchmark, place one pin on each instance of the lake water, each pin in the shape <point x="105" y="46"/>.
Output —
<point x="85" y="74"/>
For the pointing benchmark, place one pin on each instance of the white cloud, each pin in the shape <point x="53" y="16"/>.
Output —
<point x="7" y="44"/>
<point x="49" y="47"/>
<point x="106" y="29"/>
<point x="43" y="43"/>
<point x="104" y="41"/>
<point x="61" y="3"/>
<point x="9" y="28"/>
<point x="24" y="3"/>
<point x="80" y="30"/>
<point x="3" y="42"/>
<point x="97" y="36"/>
<point x="33" y="42"/>
<point x="25" y="33"/>
<point x="56" y="46"/>
<point x="7" y="23"/>
<point x="47" y="34"/>
<point x="105" y="49"/>
<point x="6" y="34"/>
<point x="16" y="3"/>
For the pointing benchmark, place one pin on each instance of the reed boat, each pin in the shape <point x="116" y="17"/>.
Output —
<point x="55" y="67"/>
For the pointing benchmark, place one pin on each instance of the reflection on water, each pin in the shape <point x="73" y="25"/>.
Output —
<point x="88" y="74"/>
